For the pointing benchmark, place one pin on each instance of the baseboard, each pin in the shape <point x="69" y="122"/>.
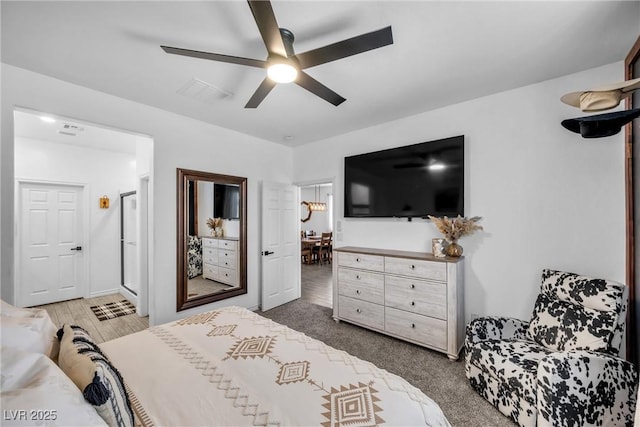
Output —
<point x="102" y="293"/>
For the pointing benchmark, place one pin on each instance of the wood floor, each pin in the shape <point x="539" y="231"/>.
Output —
<point x="316" y="289"/>
<point x="317" y="286"/>
<point x="78" y="312"/>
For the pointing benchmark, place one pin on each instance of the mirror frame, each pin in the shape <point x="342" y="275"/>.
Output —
<point x="182" y="300"/>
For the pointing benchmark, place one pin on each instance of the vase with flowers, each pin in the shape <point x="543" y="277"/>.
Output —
<point x="215" y="224"/>
<point x="453" y="229"/>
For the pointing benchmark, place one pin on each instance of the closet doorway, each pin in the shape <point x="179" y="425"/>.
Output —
<point x="316" y="242"/>
<point x="128" y="242"/>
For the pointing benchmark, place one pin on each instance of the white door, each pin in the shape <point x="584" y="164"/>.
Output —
<point x="280" y="245"/>
<point x="50" y="229"/>
<point x="128" y="241"/>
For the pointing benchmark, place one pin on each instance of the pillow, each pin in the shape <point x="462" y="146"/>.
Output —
<point x="35" y="391"/>
<point x="563" y="326"/>
<point x="28" y="329"/>
<point x="90" y="370"/>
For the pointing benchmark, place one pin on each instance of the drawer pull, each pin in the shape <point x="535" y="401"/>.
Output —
<point x="413" y="325"/>
<point x="413" y="286"/>
<point x="358" y="276"/>
<point x="357" y="259"/>
<point x="358" y="291"/>
<point x="413" y="267"/>
<point x="358" y="310"/>
<point x="413" y="303"/>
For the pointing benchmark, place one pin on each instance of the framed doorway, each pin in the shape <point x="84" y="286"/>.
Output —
<point x="632" y="203"/>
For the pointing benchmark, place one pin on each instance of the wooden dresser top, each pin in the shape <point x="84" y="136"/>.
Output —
<point x="425" y="256"/>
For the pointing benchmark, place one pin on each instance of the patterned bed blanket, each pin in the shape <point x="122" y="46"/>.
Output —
<point x="233" y="367"/>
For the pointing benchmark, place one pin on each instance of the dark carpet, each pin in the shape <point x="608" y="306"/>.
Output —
<point x="438" y="377"/>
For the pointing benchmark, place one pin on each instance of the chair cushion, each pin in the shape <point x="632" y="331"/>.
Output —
<point x="194" y="256"/>
<point x="576" y="312"/>
<point x="513" y="363"/>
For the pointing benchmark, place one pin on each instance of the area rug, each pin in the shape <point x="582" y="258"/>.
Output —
<point x="113" y="309"/>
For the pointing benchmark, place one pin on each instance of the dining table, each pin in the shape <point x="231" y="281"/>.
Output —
<point x="307" y="243"/>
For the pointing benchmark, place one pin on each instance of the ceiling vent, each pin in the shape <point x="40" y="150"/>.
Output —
<point x="72" y="128"/>
<point x="203" y="91"/>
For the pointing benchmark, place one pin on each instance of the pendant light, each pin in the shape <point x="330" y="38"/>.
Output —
<point x="317" y="205"/>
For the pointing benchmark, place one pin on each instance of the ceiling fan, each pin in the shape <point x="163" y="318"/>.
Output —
<point x="285" y="66"/>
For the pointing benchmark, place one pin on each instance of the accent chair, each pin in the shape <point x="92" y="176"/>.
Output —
<point x="562" y="367"/>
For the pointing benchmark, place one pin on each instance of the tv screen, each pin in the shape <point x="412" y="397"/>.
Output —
<point x="226" y="201"/>
<point x="412" y="181"/>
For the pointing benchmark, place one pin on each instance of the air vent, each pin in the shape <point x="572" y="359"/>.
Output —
<point x="203" y="91"/>
<point x="72" y="127"/>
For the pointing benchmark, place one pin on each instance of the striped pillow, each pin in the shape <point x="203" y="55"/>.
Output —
<point x="90" y="370"/>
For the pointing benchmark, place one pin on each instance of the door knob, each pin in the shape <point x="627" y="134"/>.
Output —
<point x="265" y="253"/>
<point x="77" y="248"/>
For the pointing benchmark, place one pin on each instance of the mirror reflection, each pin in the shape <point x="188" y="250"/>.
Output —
<point x="212" y="261"/>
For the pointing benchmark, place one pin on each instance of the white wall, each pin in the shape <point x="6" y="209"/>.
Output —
<point x="106" y="173"/>
<point x="548" y="197"/>
<point x="179" y="142"/>
<point x="205" y="207"/>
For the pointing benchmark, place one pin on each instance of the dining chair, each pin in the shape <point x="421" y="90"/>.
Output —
<point x="306" y="254"/>
<point x="324" y="249"/>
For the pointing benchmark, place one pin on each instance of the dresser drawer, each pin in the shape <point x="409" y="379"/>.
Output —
<point x="209" y="243"/>
<point x="418" y="268"/>
<point x="227" y="262"/>
<point x="362" y="312"/>
<point x="226" y="275"/>
<point x="226" y="256"/>
<point x="348" y="275"/>
<point x="362" y="291"/>
<point x="426" y="330"/>
<point x="209" y="256"/>
<point x="416" y="296"/>
<point x="365" y="262"/>
<point x="229" y="245"/>
<point x="210" y="272"/>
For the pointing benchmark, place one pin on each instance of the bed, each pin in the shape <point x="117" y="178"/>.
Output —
<point x="233" y="367"/>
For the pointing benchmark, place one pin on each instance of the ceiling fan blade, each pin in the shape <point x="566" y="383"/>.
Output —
<point x="215" y="57"/>
<point x="317" y="88"/>
<point x="345" y="48"/>
<point x="260" y="93"/>
<point x="268" y="26"/>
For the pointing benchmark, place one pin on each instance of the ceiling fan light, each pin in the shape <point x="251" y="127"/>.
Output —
<point x="282" y="72"/>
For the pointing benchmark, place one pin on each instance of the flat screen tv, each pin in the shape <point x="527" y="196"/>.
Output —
<point x="226" y="201"/>
<point x="411" y="181"/>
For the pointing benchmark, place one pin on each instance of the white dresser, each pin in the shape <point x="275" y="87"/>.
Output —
<point x="220" y="259"/>
<point x="413" y="296"/>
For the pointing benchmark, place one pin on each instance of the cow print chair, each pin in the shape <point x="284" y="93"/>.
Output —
<point x="561" y="368"/>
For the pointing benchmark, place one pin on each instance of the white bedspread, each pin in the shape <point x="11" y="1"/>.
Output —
<point x="233" y="367"/>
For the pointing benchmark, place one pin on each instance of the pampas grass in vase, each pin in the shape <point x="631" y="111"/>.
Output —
<point x="453" y="229"/>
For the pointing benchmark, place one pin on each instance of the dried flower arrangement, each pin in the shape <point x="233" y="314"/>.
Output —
<point x="214" y="223"/>
<point x="454" y="228"/>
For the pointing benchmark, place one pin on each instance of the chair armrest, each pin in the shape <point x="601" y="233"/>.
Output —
<point x="584" y="387"/>
<point x="495" y="328"/>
